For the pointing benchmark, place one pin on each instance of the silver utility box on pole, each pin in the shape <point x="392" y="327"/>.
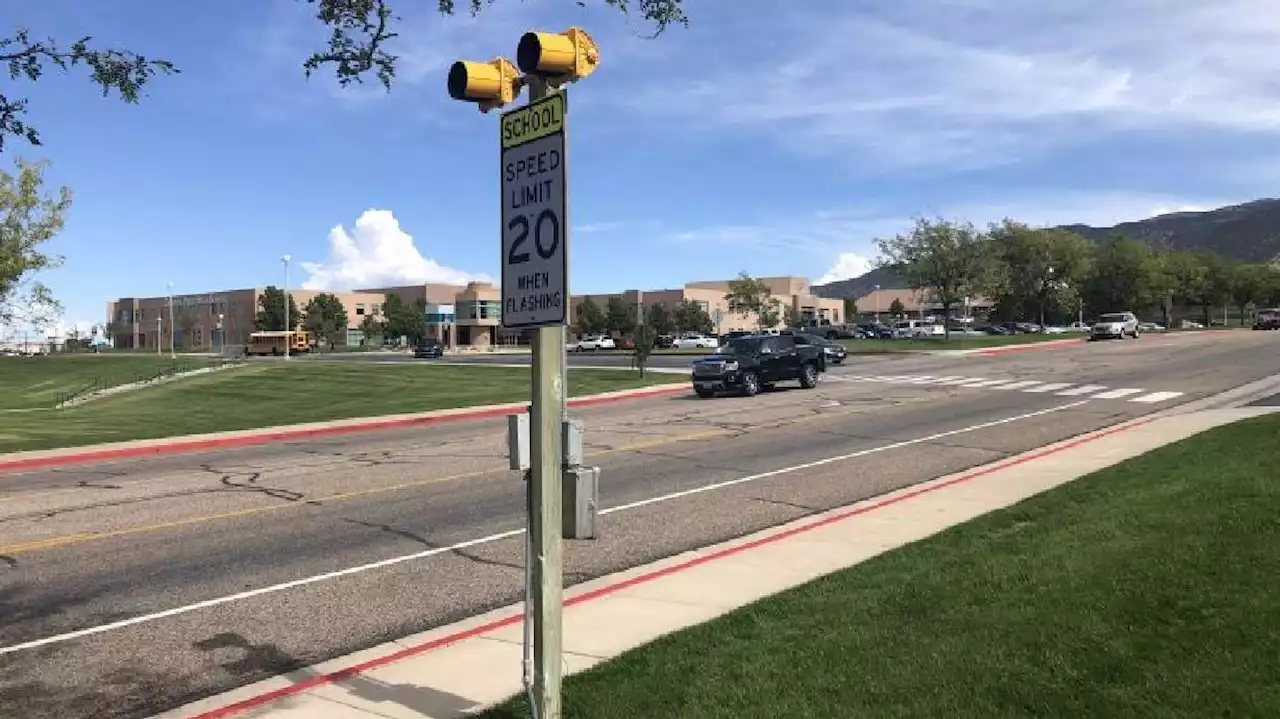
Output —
<point x="518" y="441"/>
<point x="581" y="508"/>
<point x="571" y="434"/>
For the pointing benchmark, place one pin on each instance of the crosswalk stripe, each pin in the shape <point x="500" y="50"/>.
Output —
<point x="1156" y="397"/>
<point x="1051" y="387"/>
<point x="1086" y="389"/>
<point x="1018" y="385"/>
<point x="947" y="380"/>
<point x="1117" y="393"/>
<point x="987" y="383"/>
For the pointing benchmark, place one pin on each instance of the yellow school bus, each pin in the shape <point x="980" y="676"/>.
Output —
<point x="274" y="342"/>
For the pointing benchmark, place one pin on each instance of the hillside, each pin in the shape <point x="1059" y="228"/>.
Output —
<point x="860" y="286"/>
<point x="1248" y="232"/>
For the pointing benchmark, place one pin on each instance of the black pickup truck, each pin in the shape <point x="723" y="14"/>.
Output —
<point x="748" y="364"/>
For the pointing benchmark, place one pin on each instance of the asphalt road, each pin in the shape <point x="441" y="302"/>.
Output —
<point x="220" y="564"/>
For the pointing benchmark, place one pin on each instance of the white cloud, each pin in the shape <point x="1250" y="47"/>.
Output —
<point x="376" y="252"/>
<point x="847" y="266"/>
<point x="980" y="83"/>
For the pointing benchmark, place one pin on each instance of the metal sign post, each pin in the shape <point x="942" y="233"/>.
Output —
<point x="535" y="294"/>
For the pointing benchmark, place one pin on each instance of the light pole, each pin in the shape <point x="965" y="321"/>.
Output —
<point x="877" y="295"/>
<point x="288" y="339"/>
<point x="159" y="331"/>
<point x="222" y="335"/>
<point x="172" y="352"/>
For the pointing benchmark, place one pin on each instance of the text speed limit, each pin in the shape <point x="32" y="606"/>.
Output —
<point x="534" y="252"/>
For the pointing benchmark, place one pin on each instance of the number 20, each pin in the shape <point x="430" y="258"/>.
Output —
<point x="546" y="249"/>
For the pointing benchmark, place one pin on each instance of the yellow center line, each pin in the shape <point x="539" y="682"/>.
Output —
<point x="70" y="539"/>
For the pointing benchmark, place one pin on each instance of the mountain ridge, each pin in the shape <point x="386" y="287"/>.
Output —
<point x="1249" y="232"/>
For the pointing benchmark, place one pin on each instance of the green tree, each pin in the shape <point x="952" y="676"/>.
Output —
<point x="1036" y="269"/>
<point x="270" y="315"/>
<point x="28" y="220"/>
<point x="750" y="297"/>
<point x="949" y="260"/>
<point x="620" y="316"/>
<point x="661" y="319"/>
<point x="28" y="58"/>
<point x="896" y="308"/>
<point x="791" y="317"/>
<point x="689" y="316"/>
<point x="850" y="309"/>
<point x="108" y="331"/>
<point x="185" y="321"/>
<point x="372" y="330"/>
<point x="590" y="319"/>
<point x="1248" y="283"/>
<point x="401" y="319"/>
<point x="359" y="31"/>
<point x="325" y="318"/>
<point x="645" y="337"/>
<point x="1126" y="276"/>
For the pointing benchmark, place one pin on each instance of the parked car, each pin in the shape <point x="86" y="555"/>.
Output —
<point x="833" y="350"/>
<point x="1268" y="319"/>
<point x="917" y="329"/>
<point x="748" y="364"/>
<point x="1150" y="327"/>
<point x="694" y="341"/>
<point x="664" y="341"/>
<point x="1079" y="327"/>
<point x="428" y="348"/>
<point x="1116" y="325"/>
<point x="592" y="343"/>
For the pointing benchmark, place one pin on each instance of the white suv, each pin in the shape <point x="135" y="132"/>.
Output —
<point x="596" y="342"/>
<point x="694" y="340"/>
<point x="1116" y="325"/>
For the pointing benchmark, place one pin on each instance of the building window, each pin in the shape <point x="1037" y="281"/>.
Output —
<point x="703" y="305"/>
<point x="142" y="315"/>
<point x="360" y="310"/>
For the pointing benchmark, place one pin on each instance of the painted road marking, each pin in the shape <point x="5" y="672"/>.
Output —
<point x="1156" y="397"/>
<point x="392" y="561"/>
<point x="1062" y="389"/>
<point x="1076" y="392"/>
<point x="1018" y="385"/>
<point x="1117" y="393"/>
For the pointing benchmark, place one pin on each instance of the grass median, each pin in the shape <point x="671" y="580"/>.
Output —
<point x="33" y="382"/>
<point x="1145" y="590"/>
<point x="278" y="393"/>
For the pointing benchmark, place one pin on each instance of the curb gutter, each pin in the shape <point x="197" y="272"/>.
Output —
<point x="41" y="459"/>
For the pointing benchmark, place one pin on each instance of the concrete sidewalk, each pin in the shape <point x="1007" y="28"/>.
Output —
<point x="455" y="670"/>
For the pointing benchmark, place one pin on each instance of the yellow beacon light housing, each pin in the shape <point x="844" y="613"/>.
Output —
<point x="561" y="57"/>
<point x="488" y="84"/>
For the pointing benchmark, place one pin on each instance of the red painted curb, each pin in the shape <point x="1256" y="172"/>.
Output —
<point x="1027" y="347"/>
<point x="286" y="433"/>
<point x="323" y="679"/>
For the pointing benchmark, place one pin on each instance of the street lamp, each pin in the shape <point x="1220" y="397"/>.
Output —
<point x="172" y="352"/>
<point x="877" y="296"/>
<point x="222" y="335"/>
<point x="288" y="339"/>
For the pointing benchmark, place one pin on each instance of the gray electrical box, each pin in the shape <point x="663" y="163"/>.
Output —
<point x="571" y="432"/>
<point x="581" y="502"/>
<point x="518" y="452"/>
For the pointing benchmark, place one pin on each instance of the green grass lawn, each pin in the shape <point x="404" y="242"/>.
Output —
<point x="30" y="382"/>
<point x="275" y="393"/>
<point x="1146" y="590"/>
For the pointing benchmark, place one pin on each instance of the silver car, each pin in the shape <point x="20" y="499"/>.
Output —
<point x="1117" y="325"/>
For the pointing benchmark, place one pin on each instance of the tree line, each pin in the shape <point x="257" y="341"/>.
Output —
<point x="1051" y="274"/>
<point x="325" y="317"/>
<point x="621" y="317"/>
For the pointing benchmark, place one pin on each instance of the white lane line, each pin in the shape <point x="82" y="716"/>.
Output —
<point x="1086" y="389"/>
<point x="1117" y="393"/>
<point x="962" y="380"/>
<point x="987" y="383"/>
<point x="926" y="379"/>
<point x="944" y="380"/>
<point x="1018" y="385"/>
<point x="1156" y="397"/>
<point x="1051" y="387"/>
<point x="185" y="609"/>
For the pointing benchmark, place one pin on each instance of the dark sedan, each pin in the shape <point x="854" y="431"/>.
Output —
<point x="427" y="349"/>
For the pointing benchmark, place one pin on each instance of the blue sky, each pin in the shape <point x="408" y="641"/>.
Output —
<point x="775" y="138"/>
